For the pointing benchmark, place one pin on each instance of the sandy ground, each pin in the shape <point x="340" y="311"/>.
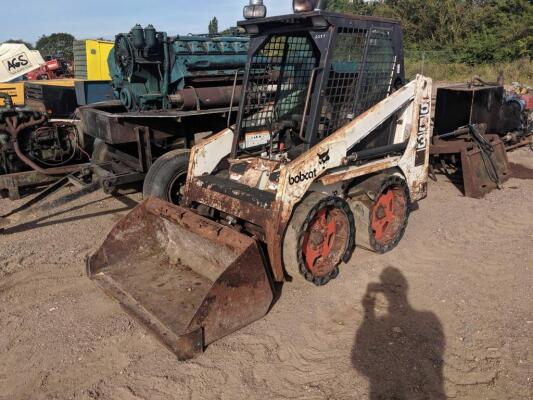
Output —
<point x="448" y="313"/>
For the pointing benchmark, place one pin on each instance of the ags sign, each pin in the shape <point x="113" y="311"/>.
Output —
<point x="17" y="64"/>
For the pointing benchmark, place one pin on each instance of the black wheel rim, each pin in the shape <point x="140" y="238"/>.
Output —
<point x="175" y="189"/>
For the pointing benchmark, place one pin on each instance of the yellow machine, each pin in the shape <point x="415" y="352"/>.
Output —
<point x="15" y="90"/>
<point x="67" y="82"/>
<point x="90" y="59"/>
<point x="60" y="97"/>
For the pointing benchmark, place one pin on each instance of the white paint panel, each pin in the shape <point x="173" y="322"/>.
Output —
<point x="362" y="126"/>
<point x="206" y="155"/>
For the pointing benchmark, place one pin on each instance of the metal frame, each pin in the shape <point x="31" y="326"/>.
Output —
<point x="13" y="183"/>
<point x="124" y="169"/>
<point x="324" y="30"/>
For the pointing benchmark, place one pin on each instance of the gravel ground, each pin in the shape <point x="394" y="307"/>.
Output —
<point x="448" y="314"/>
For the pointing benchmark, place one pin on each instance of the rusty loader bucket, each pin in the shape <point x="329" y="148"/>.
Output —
<point x="187" y="279"/>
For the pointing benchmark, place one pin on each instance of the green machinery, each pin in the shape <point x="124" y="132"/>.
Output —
<point x="152" y="71"/>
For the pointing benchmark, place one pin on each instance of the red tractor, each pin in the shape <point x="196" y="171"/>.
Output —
<point x="54" y="68"/>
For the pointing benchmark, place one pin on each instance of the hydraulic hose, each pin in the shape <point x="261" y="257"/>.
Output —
<point x="166" y="66"/>
<point x="487" y="151"/>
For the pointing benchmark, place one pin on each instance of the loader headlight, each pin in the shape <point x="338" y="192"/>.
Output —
<point x="308" y="5"/>
<point x="256" y="9"/>
<point x="300" y="6"/>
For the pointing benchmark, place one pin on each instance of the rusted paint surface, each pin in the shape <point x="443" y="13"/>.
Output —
<point x="22" y="179"/>
<point x="271" y="227"/>
<point x="415" y="160"/>
<point x="336" y="146"/>
<point x="206" y="155"/>
<point x="477" y="182"/>
<point x="356" y="171"/>
<point x="231" y="205"/>
<point x="254" y="172"/>
<point x="274" y="232"/>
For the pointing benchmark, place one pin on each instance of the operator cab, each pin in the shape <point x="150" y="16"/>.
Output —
<point x="309" y="74"/>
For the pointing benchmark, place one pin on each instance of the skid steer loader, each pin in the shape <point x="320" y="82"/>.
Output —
<point x="330" y="150"/>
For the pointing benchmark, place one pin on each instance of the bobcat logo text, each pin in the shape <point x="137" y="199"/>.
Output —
<point x="302" y="177"/>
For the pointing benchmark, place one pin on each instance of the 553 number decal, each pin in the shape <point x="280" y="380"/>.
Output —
<point x="421" y="138"/>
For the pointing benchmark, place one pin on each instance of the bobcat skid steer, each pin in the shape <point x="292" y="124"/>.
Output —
<point x="330" y="150"/>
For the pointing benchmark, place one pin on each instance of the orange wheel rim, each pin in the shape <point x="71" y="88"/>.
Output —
<point x="388" y="214"/>
<point x="324" y="237"/>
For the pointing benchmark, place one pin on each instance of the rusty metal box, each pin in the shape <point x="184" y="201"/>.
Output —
<point x="463" y="105"/>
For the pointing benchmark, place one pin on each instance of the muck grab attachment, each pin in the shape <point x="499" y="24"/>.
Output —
<point x="330" y="150"/>
<point x="475" y="125"/>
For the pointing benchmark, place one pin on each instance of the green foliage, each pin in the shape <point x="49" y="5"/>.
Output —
<point x="56" y="44"/>
<point x="233" y="31"/>
<point x="472" y="31"/>
<point x="28" y="45"/>
<point x="517" y="71"/>
<point x="213" y="26"/>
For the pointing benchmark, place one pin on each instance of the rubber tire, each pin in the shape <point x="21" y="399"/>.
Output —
<point x="163" y="173"/>
<point x="101" y="153"/>
<point x="402" y="184"/>
<point x="292" y="236"/>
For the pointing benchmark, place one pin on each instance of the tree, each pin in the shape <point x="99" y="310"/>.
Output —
<point x="233" y="31"/>
<point x="213" y="26"/>
<point x="471" y="31"/>
<point x="28" y="45"/>
<point x="356" y="7"/>
<point x="55" y="44"/>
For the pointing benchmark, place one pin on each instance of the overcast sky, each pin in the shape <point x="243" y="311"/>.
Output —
<point x="105" y="18"/>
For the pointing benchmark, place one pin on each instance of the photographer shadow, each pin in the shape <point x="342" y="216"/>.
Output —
<point x="400" y="352"/>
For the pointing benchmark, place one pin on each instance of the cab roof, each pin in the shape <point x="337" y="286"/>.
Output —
<point x="312" y="20"/>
